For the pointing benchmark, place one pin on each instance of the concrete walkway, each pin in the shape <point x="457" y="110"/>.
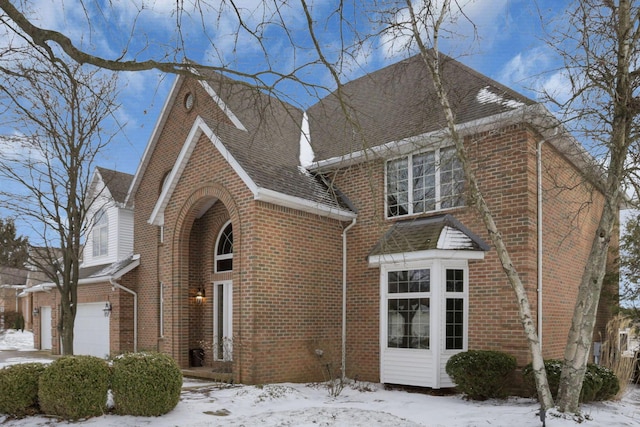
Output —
<point x="8" y="357"/>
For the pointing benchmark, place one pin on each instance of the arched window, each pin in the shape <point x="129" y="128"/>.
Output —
<point x="224" y="249"/>
<point x="100" y="233"/>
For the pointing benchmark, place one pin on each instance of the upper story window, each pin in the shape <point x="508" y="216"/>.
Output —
<point x="100" y="233"/>
<point x="224" y="249"/>
<point x="424" y="182"/>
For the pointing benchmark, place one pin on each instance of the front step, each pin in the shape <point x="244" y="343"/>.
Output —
<point x="208" y="374"/>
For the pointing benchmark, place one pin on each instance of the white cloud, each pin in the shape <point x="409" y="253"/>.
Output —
<point x="524" y="71"/>
<point x="470" y="20"/>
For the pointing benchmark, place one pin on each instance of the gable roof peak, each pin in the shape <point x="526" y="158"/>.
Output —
<point x="117" y="183"/>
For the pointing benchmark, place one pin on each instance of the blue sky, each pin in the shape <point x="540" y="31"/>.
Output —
<point x="507" y="45"/>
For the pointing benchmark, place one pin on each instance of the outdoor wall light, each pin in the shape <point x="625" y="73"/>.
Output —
<point x="200" y="296"/>
<point x="36" y="311"/>
<point x="107" y="309"/>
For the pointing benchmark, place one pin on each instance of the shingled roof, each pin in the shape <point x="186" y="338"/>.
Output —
<point x="442" y="232"/>
<point x="399" y="101"/>
<point x="262" y="133"/>
<point x="267" y="145"/>
<point x="117" y="182"/>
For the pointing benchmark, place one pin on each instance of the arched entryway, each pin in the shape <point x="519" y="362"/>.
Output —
<point x="211" y="289"/>
<point x="205" y="251"/>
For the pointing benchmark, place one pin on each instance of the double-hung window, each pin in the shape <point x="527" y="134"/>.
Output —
<point x="100" y="233"/>
<point x="424" y="182"/>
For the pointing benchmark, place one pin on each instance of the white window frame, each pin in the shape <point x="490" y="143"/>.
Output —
<point x="223" y="256"/>
<point x="436" y="355"/>
<point x="438" y="196"/>
<point x="464" y="295"/>
<point x="99" y="241"/>
<point x="227" y="320"/>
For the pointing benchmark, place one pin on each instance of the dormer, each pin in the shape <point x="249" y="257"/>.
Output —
<point x="109" y="235"/>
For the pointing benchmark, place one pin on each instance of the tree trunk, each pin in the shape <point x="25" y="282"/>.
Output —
<point x="584" y="316"/>
<point x="431" y="59"/>
<point x="65" y="326"/>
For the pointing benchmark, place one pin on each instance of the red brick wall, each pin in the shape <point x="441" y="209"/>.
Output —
<point x="286" y="284"/>
<point x="120" y="321"/>
<point x="505" y="165"/>
<point x="287" y="264"/>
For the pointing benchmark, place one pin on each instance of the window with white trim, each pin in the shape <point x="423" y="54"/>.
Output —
<point x="100" y="233"/>
<point x="425" y="302"/>
<point x="408" y="308"/>
<point x="454" y="309"/>
<point x="224" y="249"/>
<point x="424" y="182"/>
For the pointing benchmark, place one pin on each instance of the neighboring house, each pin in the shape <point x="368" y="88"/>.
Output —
<point x="285" y="242"/>
<point x="12" y="282"/>
<point x="107" y="258"/>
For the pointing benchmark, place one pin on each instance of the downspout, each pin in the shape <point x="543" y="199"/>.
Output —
<point x="344" y="297"/>
<point x="115" y="284"/>
<point x="539" y="228"/>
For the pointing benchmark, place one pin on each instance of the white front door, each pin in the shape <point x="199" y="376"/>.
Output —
<point x="222" y="321"/>
<point x="45" y="328"/>
<point x="91" y="330"/>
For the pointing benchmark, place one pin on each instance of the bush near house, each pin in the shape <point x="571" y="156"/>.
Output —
<point x="13" y="320"/>
<point x="19" y="389"/>
<point x="74" y="387"/>
<point x="481" y="374"/>
<point x="600" y="383"/>
<point x="145" y="384"/>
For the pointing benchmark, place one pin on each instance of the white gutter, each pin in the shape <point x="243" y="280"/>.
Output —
<point x="274" y="197"/>
<point x="135" y="311"/>
<point x="344" y="297"/>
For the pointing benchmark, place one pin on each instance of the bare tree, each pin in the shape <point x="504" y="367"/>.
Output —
<point x="601" y="66"/>
<point x="57" y="112"/>
<point x="424" y="23"/>
<point x="600" y="48"/>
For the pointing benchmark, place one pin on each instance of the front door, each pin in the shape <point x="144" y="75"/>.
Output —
<point x="222" y="321"/>
<point x="45" y="328"/>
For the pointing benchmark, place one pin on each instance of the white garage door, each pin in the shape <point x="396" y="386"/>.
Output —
<point x="45" y="328"/>
<point x="91" y="330"/>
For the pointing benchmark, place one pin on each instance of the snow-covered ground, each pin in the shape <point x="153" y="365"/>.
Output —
<point x="362" y="405"/>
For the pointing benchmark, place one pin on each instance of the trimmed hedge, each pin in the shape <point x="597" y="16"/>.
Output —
<point x="481" y="374"/>
<point x="19" y="389"/>
<point x="599" y="383"/>
<point x="145" y="384"/>
<point x="75" y="387"/>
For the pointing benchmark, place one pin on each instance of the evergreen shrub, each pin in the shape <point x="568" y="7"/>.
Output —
<point x="19" y="389"/>
<point x="75" y="387"/>
<point x="481" y="374"/>
<point x="600" y="383"/>
<point x="145" y="384"/>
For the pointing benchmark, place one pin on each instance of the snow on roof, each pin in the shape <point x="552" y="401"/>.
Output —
<point x="485" y="96"/>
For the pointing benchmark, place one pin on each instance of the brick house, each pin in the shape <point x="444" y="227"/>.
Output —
<point x="106" y="305"/>
<point x="285" y="242"/>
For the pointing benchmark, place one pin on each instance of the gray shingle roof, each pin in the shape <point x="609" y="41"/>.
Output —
<point x="390" y="104"/>
<point x="106" y="270"/>
<point x="398" y="102"/>
<point x="13" y="276"/>
<point x="269" y="149"/>
<point x="117" y="182"/>
<point x="437" y="232"/>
